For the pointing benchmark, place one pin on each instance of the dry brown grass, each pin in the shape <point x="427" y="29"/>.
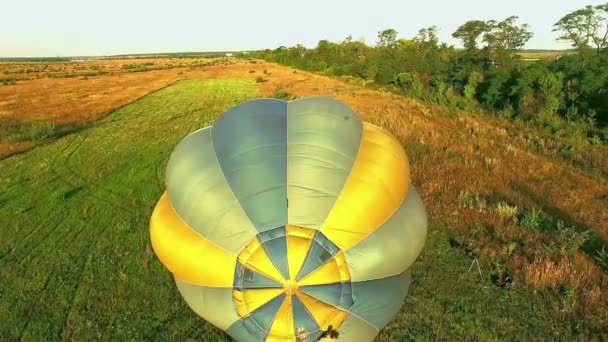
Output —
<point x="545" y="273"/>
<point x="37" y="70"/>
<point x="85" y="99"/>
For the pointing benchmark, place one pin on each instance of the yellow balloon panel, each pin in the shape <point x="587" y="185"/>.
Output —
<point x="249" y="300"/>
<point x="333" y="271"/>
<point x="187" y="254"/>
<point x="254" y="257"/>
<point x="298" y="244"/>
<point x="282" y="328"/>
<point x="323" y="313"/>
<point x="377" y="184"/>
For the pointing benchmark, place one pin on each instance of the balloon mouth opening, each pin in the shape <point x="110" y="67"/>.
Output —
<point x="296" y="271"/>
<point x="291" y="287"/>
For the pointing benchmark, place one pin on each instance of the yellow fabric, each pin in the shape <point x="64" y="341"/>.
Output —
<point x="333" y="271"/>
<point x="297" y="249"/>
<point x="323" y="313"/>
<point x="373" y="191"/>
<point x="249" y="300"/>
<point x="254" y="256"/>
<point x="187" y="254"/>
<point x="300" y="231"/>
<point x="282" y="328"/>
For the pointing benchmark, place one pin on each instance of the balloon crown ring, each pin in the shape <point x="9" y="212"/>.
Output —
<point x="285" y="218"/>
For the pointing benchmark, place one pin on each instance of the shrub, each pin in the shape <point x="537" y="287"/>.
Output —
<point x="470" y="89"/>
<point x="602" y="257"/>
<point x="260" y="79"/>
<point x="283" y="94"/>
<point x="568" y="240"/>
<point x="532" y="219"/>
<point x="410" y="83"/>
<point x="251" y="71"/>
<point x="41" y="130"/>
<point x="505" y="210"/>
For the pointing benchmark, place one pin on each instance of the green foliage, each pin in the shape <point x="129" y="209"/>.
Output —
<point x="41" y="130"/>
<point x="470" y="32"/>
<point x="14" y="131"/>
<point x="532" y="219"/>
<point x="470" y="89"/>
<point x="568" y="240"/>
<point x="585" y="26"/>
<point x="410" y="83"/>
<point x="558" y="94"/>
<point x="602" y="257"/>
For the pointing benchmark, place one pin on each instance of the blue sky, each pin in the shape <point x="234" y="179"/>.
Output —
<point x="69" y="27"/>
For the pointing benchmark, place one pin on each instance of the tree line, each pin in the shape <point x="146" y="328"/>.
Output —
<point x="487" y="73"/>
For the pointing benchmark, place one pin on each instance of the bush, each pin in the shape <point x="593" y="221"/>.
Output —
<point x="568" y="240"/>
<point x="260" y="79"/>
<point x="284" y="95"/>
<point x="410" y="83"/>
<point x="602" y="257"/>
<point x="532" y="219"/>
<point x="41" y="130"/>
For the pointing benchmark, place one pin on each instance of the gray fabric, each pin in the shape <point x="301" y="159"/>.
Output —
<point x="246" y="278"/>
<point x="377" y="301"/>
<point x="394" y="246"/>
<point x="264" y="315"/>
<point x="337" y="294"/>
<point x="304" y="320"/>
<point x="201" y="195"/>
<point x="250" y="142"/>
<point x="321" y="250"/>
<point x="205" y="301"/>
<point x="323" y="138"/>
<point x="356" y="329"/>
<point x="276" y="249"/>
<point x="240" y="333"/>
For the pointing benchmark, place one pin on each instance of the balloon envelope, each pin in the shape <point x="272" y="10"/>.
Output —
<point x="285" y="218"/>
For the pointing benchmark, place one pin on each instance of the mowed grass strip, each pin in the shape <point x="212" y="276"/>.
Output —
<point x="75" y="256"/>
<point x="76" y="261"/>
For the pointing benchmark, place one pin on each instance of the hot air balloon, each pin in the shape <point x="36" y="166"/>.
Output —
<point x="286" y="218"/>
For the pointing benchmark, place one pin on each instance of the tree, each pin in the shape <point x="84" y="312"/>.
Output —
<point x="585" y="26"/>
<point x="506" y="35"/>
<point x="387" y="38"/>
<point x="470" y="32"/>
<point x="428" y="35"/>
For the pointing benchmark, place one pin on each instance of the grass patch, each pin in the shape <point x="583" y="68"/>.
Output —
<point x="507" y="211"/>
<point x="75" y="255"/>
<point x="15" y="131"/>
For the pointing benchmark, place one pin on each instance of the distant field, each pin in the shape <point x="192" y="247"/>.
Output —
<point x="75" y="256"/>
<point x="542" y="55"/>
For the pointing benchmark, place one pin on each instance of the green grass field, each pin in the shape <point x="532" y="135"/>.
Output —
<point x="76" y="261"/>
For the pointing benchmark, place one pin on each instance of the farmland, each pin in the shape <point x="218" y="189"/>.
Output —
<point x="75" y="201"/>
